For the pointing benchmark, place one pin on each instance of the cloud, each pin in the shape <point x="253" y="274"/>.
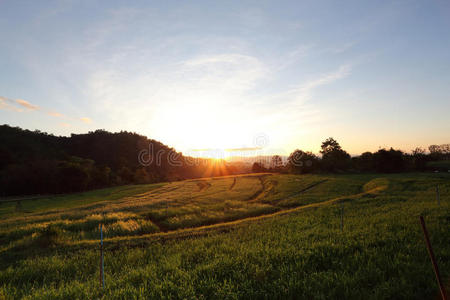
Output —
<point x="20" y="105"/>
<point x="86" y="120"/>
<point x="26" y="104"/>
<point x="243" y="149"/>
<point x="294" y="109"/>
<point x="327" y="78"/>
<point x="7" y="104"/>
<point x="201" y="87"/>
<point x="303" y="91"/>
<point x="227" y="72"/>
<point x="294" y="56"/>
<point x="55" y="114"/>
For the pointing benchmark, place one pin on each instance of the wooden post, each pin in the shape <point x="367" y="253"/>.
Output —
<point x="437" y="195"/>
<point x="433" y="259"/>
<point x="102" y="273"/>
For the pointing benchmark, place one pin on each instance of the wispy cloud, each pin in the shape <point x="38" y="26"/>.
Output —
<point x="294" y="108"/>
<point x="86" y="120"/>
<point x="201" y="88"/>
<point x="243" y="149"/>
<point x="226" y="72"/>
<point x="8" y="104"/>
<point x="20" y="105"/>
<point x="17" y="105"/>
<point x="293" y="56"/>
<point x="304" y="90"/>
<point x="55" y="114"/>
<point x="27" y="105"/>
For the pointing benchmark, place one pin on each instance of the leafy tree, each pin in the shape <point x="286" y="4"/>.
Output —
<point x="419" y="159"/>
<point x="389" y="161"/>
<point x="276" y="162"/>
<point x="141" y="176"/>
<point x="333" y="157"/>
<point x="73" y="177"/>
<point x="257" y="168"/>
<point x="365" y="162"/>
<point x="302" y="162"/>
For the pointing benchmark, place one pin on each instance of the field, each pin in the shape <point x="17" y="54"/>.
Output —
<point x="249" y="236"/>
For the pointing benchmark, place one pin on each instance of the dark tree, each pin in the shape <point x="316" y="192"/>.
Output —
<point x="276" y="162"/>
<point x="389" y="161"/>
<point x="365" y="162"/>
<point x="258" y="167"/>
<point x="302" y="162"/>
<point x="419" y="159"/>
<point x="35" y="162"/>
<point x="333" y="157"/>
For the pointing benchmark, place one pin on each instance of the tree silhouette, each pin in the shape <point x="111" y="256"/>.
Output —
<point x="333" y="157"/>
<point x="276" y="162"/>
<point x="302" y="162"/>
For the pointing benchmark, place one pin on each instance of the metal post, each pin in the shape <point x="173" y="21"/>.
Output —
<point x="433" y="259"/>
<point x="102" y="265"/>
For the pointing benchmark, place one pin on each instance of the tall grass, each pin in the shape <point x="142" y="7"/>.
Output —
<point x="380" y="254"/>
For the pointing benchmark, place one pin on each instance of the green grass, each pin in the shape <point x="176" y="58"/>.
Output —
<point x="74" y="200"/>
<point x="442" y="165"/>
<point x="298" y="252"/>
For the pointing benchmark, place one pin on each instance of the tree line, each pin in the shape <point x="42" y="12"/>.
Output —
<point x="335" y="159"/>
<point x="34" y="162"/>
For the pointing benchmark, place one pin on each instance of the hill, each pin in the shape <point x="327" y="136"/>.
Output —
<point x="34" y="162"/>
<point x="250" y="236"/>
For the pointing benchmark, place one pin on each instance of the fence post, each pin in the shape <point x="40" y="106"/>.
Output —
<point x="102" y="265"/>
<point x="433" y="259"/>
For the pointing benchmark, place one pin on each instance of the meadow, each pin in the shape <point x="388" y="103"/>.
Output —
<point x="237" y="237"/>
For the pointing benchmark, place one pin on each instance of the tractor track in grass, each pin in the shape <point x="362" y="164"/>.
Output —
<point x="305" y="189"/>
<point x="262" y="191"/>
<point x="233" y="184"/>
<point x="268" y="187"/>
<point x="193" y="232"/>
<point x="117" y="243"/>
<point x="203" y="186"/>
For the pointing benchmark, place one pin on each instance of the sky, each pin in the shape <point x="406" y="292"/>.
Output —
<point x="276" y="75"/>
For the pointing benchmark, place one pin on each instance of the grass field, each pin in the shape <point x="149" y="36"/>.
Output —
<point x="238" y="237"/>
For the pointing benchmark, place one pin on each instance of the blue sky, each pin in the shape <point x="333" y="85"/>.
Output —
<point x="204" y="74"/>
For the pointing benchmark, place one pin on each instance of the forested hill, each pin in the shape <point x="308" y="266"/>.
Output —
<point x="34" y="162"/>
